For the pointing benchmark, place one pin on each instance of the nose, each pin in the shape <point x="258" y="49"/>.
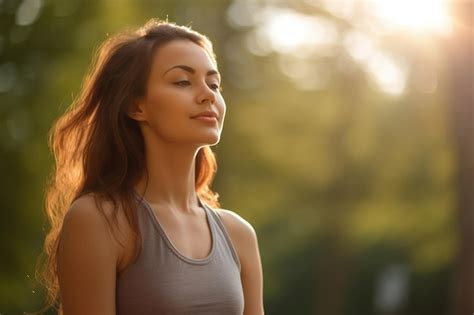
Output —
<point x="206" y="94"/>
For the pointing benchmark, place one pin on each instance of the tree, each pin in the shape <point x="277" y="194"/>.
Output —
<point x="460" y="57"/>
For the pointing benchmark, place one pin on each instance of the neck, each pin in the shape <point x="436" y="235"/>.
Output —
<point x="171" y="177"/>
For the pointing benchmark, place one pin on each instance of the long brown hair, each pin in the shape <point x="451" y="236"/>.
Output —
<point x="99" y="149"/>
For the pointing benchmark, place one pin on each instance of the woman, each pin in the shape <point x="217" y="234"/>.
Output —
<point x="136" y="228"/>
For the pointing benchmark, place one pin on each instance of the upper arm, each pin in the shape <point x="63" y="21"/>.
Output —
<point x="87" y="261"/>
<point x="245" y="238"/>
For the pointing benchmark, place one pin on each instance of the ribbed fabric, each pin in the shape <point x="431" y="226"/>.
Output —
<point x="163" y="281"/>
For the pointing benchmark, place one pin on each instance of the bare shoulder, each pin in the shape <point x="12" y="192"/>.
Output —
<point x="241" y="231"/>
<point x="244" y="238"/>
<point x="84" y="212"/>
<point x="235" y="221"/>
<point x="85" y="209"/>
<point x="87" y="205"/>
<point x="87" y="260"/>
<point x="84" y="215"/>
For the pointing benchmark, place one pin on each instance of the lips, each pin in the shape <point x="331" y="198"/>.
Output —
<point x="207" y="113"/>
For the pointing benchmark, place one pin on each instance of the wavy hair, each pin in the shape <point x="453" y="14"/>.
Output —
<point x="99" y="149"/>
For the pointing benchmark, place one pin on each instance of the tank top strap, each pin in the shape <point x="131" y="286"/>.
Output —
<point x="217" y="220"/>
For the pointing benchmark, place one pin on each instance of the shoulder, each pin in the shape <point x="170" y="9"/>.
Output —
<point x="87" y="260"/>
<point x="85" y="211"/>
<point x="88" y="204"/>
<point x="235" y="221"/>
<point x="241" y="231"/>
<point x="84" y="215"/>
<point x="87" y="207"/>
<point x="244" y="237"/>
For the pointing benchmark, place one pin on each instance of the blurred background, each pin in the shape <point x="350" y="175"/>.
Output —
<point x="348" y="141"/>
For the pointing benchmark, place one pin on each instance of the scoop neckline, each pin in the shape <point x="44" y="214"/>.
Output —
<point x="168" y="240"/>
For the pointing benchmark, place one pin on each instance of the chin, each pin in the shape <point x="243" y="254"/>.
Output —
<point x="211" y="140"/>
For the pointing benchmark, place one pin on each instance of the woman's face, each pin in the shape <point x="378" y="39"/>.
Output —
<point x="183" y="82"/>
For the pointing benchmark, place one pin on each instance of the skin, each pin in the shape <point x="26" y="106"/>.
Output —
<point x="89" y="262"/>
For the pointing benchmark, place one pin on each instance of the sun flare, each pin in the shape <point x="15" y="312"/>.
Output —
<point x="420" y="16"/>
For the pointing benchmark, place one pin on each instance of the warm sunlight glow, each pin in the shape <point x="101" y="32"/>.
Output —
<point x="303" y="38"/>
<point x="289" y="32"/>
<point x="422" y="16"/>
<point x="389" y="76"/>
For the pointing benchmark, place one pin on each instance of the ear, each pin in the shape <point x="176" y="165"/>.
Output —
<point x="136" y="110"/>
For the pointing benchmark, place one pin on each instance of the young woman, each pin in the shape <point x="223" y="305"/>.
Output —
<point x="136" y="228"/>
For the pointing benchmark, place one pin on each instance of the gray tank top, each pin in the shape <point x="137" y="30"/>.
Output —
<point x="163" y="281"/>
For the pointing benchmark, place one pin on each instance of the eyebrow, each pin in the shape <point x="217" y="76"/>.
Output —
<point x="192" y="70"/>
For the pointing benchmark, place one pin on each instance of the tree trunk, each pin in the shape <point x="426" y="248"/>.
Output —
<point x="461" y="63"/>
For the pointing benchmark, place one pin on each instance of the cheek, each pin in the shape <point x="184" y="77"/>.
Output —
<point x="222" y="106"/>
<point x="167" y="113"/>
<point x="163" y="104"/>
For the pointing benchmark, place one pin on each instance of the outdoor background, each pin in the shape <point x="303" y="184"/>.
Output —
<point x="348" y="141"/>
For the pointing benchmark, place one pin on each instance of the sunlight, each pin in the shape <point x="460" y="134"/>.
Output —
<point x="387" y="72"/>
<point x="389" y="75"/>
<point x="307" y="37"/>
<point x="289" y="32"/>
<point x="420" y="16"/>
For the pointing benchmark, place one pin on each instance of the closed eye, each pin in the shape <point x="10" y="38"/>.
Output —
<point x="216" y="87"/>
<point x="182" y="83"/>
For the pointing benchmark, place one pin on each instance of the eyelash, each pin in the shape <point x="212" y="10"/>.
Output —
<point x="215" y="88"/>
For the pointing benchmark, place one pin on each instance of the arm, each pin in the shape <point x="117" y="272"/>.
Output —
<point x="87" y="260"/>
<point x="245" y="238"/>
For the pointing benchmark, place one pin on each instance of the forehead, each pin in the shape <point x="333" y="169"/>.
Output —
<point x="182" y="52"/>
